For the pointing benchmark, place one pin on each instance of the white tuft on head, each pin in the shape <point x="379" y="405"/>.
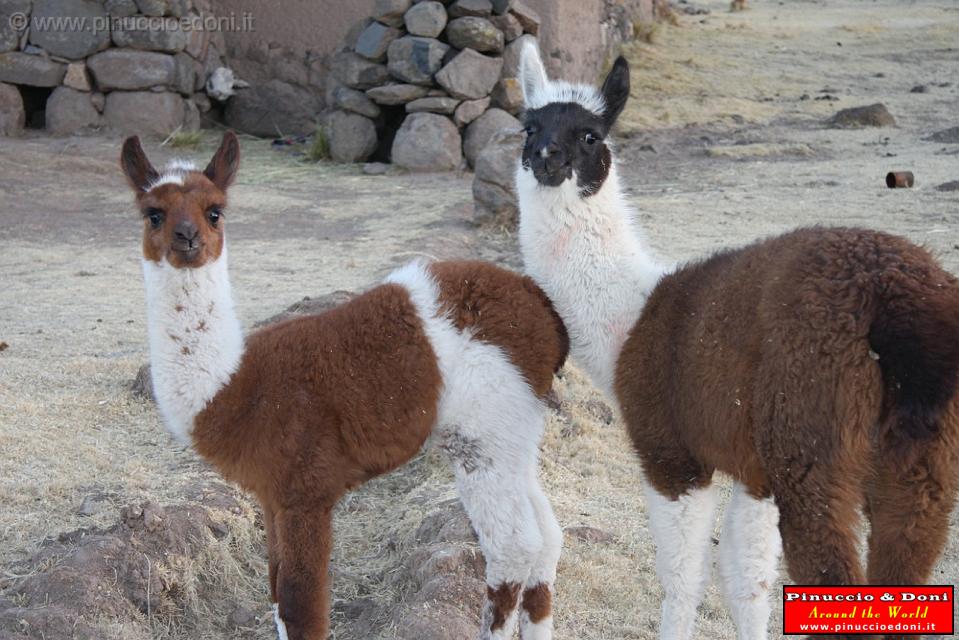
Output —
<point x="173" y="173"/>
<point x="539" y="90"/>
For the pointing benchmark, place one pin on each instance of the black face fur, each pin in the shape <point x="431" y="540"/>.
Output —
<point x="565" y="137"/>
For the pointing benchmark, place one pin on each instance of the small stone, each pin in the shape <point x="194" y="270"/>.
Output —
<point x="93" y="504"/>
<point x="357" y="72"/>
<point x="415" y="60"/>
<point x="153" y="8"/>
<point x="202" y="102"/>
<point x="352" y="137"/>
<point x="509" y="25"/>
<point x="375" y="168"/>
<point x="35" y="71"/>
<point x="68" y="111"/>
<point x="375" y="40"/>
<point x="144" y="112"/>
<point x="470" y="110"/>
<point x="390" y="12"/>
<point x="396" y="93"/>
<point x="494" y="193"/>
<point x="475" y="33"/>
<point x="492" y="202"/>
<point x="355" y="101"/>
<point x="501" y="7"/>
<point x="426" y="19"/>
<point x="77" y="77"/>
<point x="186" y="70"/>
<point x="952" y="185"/>
<point x="591" y="535"/>
<point x="12" y="115"/>
<point x="121" y="8"/>
<point x="444" y="105"/>
<point x="919" y="88"/>
<point x="512" y="55"/>
<point x="241" y="618"/>
<point x="127" y="69"/>
<point x="169" y="37"/>
<point x="272" y="110"/>
<point x="874" y="115"/>
<point x="481" y="8"/>
<point x="70" y="43"/>
<point x="427" y="142"/>
<point x="508" y="95"/>
<point x="481" y="131"/>
<point x="470" y="75"/>
<point x="99" y="100"/>
<point x="949" y="136"/>
<point x="526" y="16"/>
<point x="354" y="33"/>
<point x="191" y="115"/>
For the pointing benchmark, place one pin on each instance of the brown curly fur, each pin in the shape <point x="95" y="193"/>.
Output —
<point x="762" y="363"/>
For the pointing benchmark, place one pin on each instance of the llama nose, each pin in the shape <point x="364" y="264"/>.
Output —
<point x="553" y="158"/>
<point x="185" y="232"/>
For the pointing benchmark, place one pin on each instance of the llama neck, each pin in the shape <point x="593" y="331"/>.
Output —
<point x="589" y="258"/>
<point x="195" y="338"/>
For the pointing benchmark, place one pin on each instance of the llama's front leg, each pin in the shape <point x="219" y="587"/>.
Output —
<point x="749" y="550"/>
<point x="681" y="530"/>
<point x="536" y="615"/>
<point x="272" y="550"/>
<point x="304" y="538"/>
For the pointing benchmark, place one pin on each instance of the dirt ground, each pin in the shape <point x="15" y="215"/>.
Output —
<point x="724" y="141"/>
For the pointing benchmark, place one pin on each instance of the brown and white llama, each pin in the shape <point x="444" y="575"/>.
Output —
<point x="817" y="368"/>
<point x="303" y="411"/>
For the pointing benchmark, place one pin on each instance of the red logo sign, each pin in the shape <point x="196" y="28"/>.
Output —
<point x="880" y="610"/>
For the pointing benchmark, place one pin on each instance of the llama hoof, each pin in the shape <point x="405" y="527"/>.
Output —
<point x="280" y="626"/>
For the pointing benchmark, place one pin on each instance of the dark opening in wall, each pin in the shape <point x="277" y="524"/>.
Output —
<point x="35" y="105"/>
<point x="387" y="124"/>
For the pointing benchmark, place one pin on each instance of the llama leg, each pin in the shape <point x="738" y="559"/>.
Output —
<point x="681" y="529"/>
<point x="749" y="552"/>
<point x="536" y="616"/>
<point x="272" y="549"/>
<point x="305" y="541"/>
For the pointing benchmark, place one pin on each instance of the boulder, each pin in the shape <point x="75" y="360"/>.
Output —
<point x="69" y="111"/>
<point x="169" y="38"/>
<point x="434" y="104"/>
<point x="121" y="8"/>
<point x="144" y="112"/>
<point x="273" y="109"/>
<point x="397" y="93"/>
<point x="470" y="75"/>
<point x="481" y="8"/>
<point x="352" y="137"/>
<point x="427" y="142"/>
<point x="501" y="7"/>
<point x="128" y="69"/>
<point x="77" y="77"/>
<point x="874" y="115"/>
<point x="355" y="101"/>
<point x="415" y="60"/>
<point x="353" y="34"/>
<point x="526" y="16"/>
<point x="508" y="95"/>
<point x="187" y="73"/>
<point x="153" y="8"/>
<point x="470" y="110"/>
<point x="390" y="12"/>
<point x="12" y="115"/>
<point x="357" y="72"/>
<point x="89" y="34"/>
<point x="476" y="33"/>
<point x="426" y="19"/>
<point x="494" y="192"/>
<point x="375" y="40"/>
<point x="10" y="33"/>
<point x="512" y="54"/>
<point x="481" y="131"/>
<point x="509" y="25"/>
<point x="35" y="71"/>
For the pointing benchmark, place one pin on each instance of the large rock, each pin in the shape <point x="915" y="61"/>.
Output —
<point x="273" y="109"/>
<point x="426" y="19"/>
<point x="127" y="69"/>
<point x="427" y="142"/>
<point x="375" y="40"/>
<point x="357" y="72"/>
<point x="500" y="7"/>
<point x="9" y="29"/>
<point x="512" y="55"/>
<point x="144" y="112"/>
<point x="397" y="93"/>
<point x="352" y="137"/>
<point x="482" y="130"/>
<point x="153" y="8"/>
<point x="475" y="33"/>
<point x="509" y="25"/>
<point x="526" y="16"/>
<point x="433" y="104"/>
<point x="415" y="60"/>
<point x="462" y="8"/>
<point x="188" y="74"/>
<point x="89" y="32"/>
<point x="36" y="71"/>
<point x="12" y="115"/>
<point x="69" y="111"/>
<point x="77" y="77"/>
<point x="355" y="101"/>
<point x="170" y="38"/>
<point x="390" y="12"/>
<point x="494" y="191"/>
<point x="508" y="95"/>
<point x="874" y="115"/>
<point x="121" y="8"/>
<point x="470" y="110"/>
<point x="470" y="75"/>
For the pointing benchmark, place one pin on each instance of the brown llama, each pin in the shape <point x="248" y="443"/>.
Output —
<point x="303" y="411"/>
<point x="818" y="369"/>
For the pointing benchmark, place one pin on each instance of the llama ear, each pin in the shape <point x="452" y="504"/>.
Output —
<point x="616" y="90"/>
<point x="222" y="168"/>
<point x="138" y="170"/>
<point x="532" y="73"/>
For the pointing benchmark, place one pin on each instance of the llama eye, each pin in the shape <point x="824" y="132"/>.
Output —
<point x="214" y="215"/>
<point x="155" y="216"/>
<point x="530" y="130"/>
<point x="590" y="138"/>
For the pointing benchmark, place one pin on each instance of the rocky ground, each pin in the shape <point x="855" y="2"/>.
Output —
<point x="108" y="530"/>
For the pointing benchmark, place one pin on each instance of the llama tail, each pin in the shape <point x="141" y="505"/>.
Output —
<point x="915" y="333"/>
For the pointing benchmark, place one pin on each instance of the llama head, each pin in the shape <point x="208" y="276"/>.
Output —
<point x="182" y="206"/>
<point x="567" y="124"/>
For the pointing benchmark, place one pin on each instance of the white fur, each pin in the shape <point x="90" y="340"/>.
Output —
<point x="278" y="621"/>
<point x="174" y="172"/>
<point x="749" y="552"/>
<point x="490" y="422"/>
<point x="195" y="338"/>
<point x="681" y="530"/>
<point x="539" y="90"/>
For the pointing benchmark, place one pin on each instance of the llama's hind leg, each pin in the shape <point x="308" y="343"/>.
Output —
<point x="304" y="537"/>
<point x="749" y="550"/>
<point x="536" y="616"/>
